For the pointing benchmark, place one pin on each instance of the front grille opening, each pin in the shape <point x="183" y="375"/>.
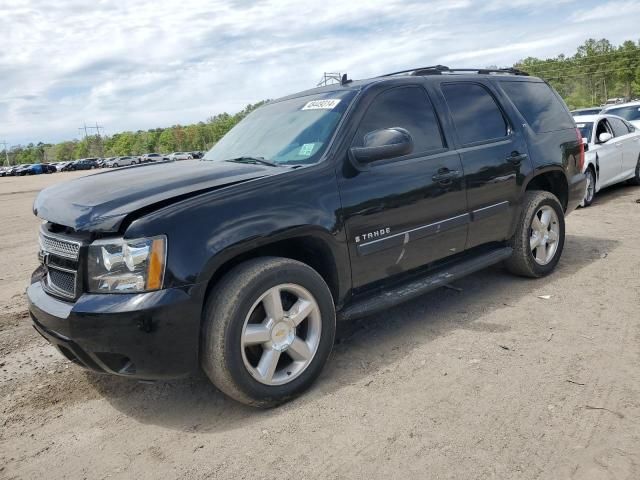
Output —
<point x="61" y="282"/>
<point x="60" y="247"/>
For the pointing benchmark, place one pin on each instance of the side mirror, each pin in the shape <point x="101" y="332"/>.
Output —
<point x="585" y="144"/>
<point x="604" y="137"/>
<point x="383" y="144"/>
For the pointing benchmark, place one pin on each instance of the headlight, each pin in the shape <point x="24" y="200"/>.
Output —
<point x="118" y="265"/>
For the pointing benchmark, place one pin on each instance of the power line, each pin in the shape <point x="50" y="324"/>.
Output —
<point x="578" y="59"/>
<point x="587" y="65"/>
<point x="560" y="77"/>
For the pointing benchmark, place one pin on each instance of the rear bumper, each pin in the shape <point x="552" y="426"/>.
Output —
<point x="577" y="188"/>
<point x="152" y="335"/>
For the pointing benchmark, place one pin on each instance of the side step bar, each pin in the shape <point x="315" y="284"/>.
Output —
<point x="416" y="287"/>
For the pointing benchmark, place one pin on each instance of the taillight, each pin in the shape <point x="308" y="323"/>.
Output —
<point x="581" y="159"/>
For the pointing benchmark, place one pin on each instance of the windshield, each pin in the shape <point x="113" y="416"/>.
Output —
<point x="628" y="113"/>
<point x="294" y="131"/>
<point x="585" y="129"/>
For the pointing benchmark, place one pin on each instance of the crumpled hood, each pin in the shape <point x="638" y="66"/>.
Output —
<point x="101" y="202"/>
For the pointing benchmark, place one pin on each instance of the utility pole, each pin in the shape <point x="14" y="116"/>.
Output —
<point x="330" y="77"/>
<point x="6" y="153"/>
<point x="97" y="129"/>
<point x="85" y="130"/>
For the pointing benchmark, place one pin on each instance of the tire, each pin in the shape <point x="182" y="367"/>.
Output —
<point x="540" y="260"/>
<point x="590" y="192"/>
<point x="636" y="180"/>
<point x="237" y="369"/>
<point x="115" y="165"/>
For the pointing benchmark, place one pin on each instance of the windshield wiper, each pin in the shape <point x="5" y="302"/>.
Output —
<point x="257" y="160"/>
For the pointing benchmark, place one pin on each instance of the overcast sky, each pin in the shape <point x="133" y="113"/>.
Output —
<point x="142" y="64"/>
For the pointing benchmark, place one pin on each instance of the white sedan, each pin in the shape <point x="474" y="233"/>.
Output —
<point x="613" y="152"/>
<point x="180" y="156"/>
<point x="120" y="161"/>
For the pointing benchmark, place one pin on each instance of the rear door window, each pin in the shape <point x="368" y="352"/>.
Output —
<point x="539" y="105"/>
<point x="475" y="113"/>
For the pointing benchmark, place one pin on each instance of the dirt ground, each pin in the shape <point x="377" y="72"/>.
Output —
<point x="491" y="381"/>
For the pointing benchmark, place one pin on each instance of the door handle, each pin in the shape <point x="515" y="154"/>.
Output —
<point x="517" y="158"/>
<point x="445" y="176"/>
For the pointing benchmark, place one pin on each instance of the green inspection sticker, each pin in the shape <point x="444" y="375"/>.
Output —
<point x="306" y="150"/>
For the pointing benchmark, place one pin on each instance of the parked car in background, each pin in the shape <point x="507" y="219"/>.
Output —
<point x="180" y="156"/>
<point x="586" y="111"/>
<point x="121" y="161"/>
<point x="197" y="154"/>
<point x="614" y="101"/>
<point x="3" y="171"/>
<point x="103" y="161"/>
<point x="154" y="157"/>
<point x="29" y="169"/>
<point x="629" y="111"/>
<point x="11" y="171"/>
<point x="613" y="152"/>
<point x="49" y="168"/>
<point x="81" y="164"/>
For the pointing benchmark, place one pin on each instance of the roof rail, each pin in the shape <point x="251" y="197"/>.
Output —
<point x="442" y="69"/>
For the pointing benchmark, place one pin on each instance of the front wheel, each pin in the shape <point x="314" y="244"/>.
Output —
<point x="539" y="238"/>
<point x="269" y="328"/>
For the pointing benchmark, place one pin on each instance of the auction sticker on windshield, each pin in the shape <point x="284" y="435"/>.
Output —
<point x="327" y="104"/>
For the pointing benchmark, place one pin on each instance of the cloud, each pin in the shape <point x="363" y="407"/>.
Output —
<point x="607" y="11"/>
<point x="143" y="64"/>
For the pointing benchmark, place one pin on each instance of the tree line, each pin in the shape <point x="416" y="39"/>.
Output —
<point x="599" y="70"/>
<point x="178" y="138"/>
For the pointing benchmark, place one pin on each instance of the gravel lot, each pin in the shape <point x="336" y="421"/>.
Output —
<point x="491" y="381"/>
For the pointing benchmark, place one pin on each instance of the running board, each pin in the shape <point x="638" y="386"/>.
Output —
<point x="416" y="287"/>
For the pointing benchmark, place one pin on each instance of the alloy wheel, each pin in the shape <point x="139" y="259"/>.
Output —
<point x="281" y="334"/>
<point x="591" y="187"/>
<point x="544" y="236"/>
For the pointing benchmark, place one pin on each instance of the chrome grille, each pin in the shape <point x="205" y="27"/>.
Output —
<point x="58" y="246"/>
<point x="61" y="282"/>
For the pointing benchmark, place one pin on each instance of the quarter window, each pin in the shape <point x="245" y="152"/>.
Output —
<point x="475" y="113"/>
<point x="408" y="108"/>
<point x="539" y="105"/>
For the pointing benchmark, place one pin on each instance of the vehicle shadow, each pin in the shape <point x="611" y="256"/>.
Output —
<point x="615" y="192"/>
<point x="194" y="405"/>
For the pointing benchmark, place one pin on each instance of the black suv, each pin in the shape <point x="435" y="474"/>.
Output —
<point x="328" y="204"/>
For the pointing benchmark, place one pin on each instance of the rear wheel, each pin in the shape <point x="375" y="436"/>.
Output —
<point x="539" y="238"/>
<point x="590" y="191"/>
<point x="268" y="331"/>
